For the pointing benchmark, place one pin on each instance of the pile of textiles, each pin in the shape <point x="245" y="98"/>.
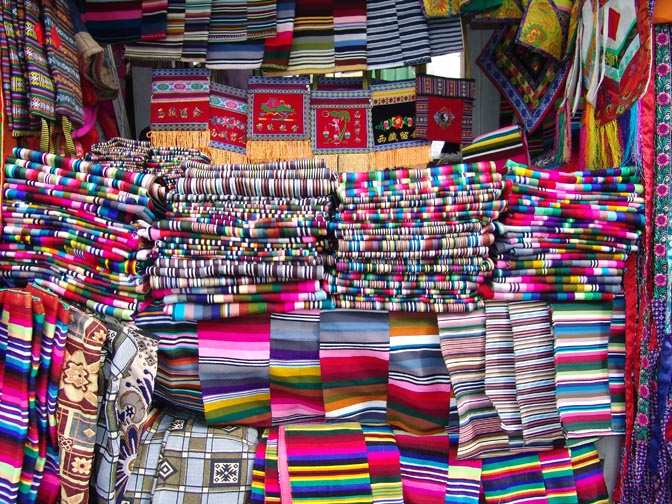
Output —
<point x="415" y="239"/>
<point x="142" y="157"/>
<point x="567" y="234"/>
<point x="49" y="371"/>
<point x="73" y="226"/>
<point x="243" y="239"/>
<point x="353" y="462"/>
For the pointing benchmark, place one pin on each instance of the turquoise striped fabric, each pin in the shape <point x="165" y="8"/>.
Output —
<point x="464" y="479"/>
<point x="424" y="466"/>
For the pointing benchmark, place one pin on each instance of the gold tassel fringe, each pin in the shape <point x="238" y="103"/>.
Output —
<point x="356" y="162"/>
<point x="611" y="150"/>
<point x="181" y="138"/>
<point x="331" y="161"/>
<point x="259" y="151"/>
<point x="221" y="156"/>
<point x="409" y="157"/>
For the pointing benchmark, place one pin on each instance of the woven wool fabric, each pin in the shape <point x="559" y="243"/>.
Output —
<point x="277" y="49"/>
<point x="228" y="118"/>
<point x="464" y="479"/>
<point x="539" y="79"/>
<point x="63" y="60"/>
<point x="556" y="468"/>
<point x="463" y="348"/>
<point x="154" y="19"/>
<point x="240" y="351"/>
<point x="228" y="21"/>
<point x="581" y="338"/>
<point x="195" y="455"/>
<point x="360" y="342"/>
<point x="278" y="108"/>
<point x="424" y="466"/>
<point x="382" y="25"/>
<point x="535" y="372"/>
<point x="246" y="55"/>
<point x="513" y="478"/>
<point x="15" y="370"/>
<point x="350" y="35"/>
<point x="500" y="377"/>
<point x="384" y="464"/>
<point x="258" y="490"/>
<point x="325" y="463"/>
<point x="109" y="25"/>
<point x="445" y="35"/>
<point x="341" y="122"/>
<point x="196" y="29"/>
<point x="180" y="99"/>
<point x="313" y="49"/>
<point x="418" y="397"/>
<point x="413" y="33"/>
<point x="77" y="410"/>
<point x="272" y="491"/>
<point x="588" y="475"/>
<point x="168" y="48"/>
<point x="177" y="379"/>
<point x="444" y="108"/>
<point x="616" y="364"/>
<point x="295" y="378"/>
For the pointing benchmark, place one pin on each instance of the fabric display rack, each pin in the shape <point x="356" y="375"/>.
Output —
<point x="277" y="295"/>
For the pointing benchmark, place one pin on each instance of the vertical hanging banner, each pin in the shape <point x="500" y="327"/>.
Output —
<point x="340" y="121"/>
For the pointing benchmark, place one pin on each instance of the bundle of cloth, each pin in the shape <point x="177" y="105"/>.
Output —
<point x="566" y="235"/>
<point x="72" y="226"/>
<point x="140" y="156"/>
<point x="415" y="240"/>
<point x="244" y="239"/>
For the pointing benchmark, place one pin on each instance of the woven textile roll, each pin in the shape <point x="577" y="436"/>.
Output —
<point x="295" y="379"/>
<point x="463" y="348"/>
<point x="244" y="398"/>
<point x="361" y="394"/>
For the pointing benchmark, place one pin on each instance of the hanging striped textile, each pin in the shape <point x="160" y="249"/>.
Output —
<point x="154" y="19"/>
<point x="581" y="340"/>
<point x="418" y="397"/>
<point x="588" y="475"/>
<point x="535" y="372"/>
<point x="464" y="479"/>
<point x="196" y="28"/>
<point x="257" y="487"/>
<point x="238" y="350"/>
<point x="295" y="380"/>
<point x="16" y="333"/>
<point x="228" y="21"/>
<point x="313" y="49"/>
<point x="77" y="410"/>
<point x="360" y="343"/>
<point x="277" y="49"/>
<point x="273" y="493"/>
<point x="413" y="33"/>
<point x="109" y="25"/>
<point x="500" y="376"/>
<point x="424" y="466"/>
<point x="384" y="464"/>
<point x="513" y="479"/>
<point x="325" y="463"/>
<point x="177" y="379"/>
<point x="463" y="347"/>
<point x="350" y="35"/>
<point x="616" y="355"/>
<point x="168" y="48"/>
<point x="556" y="468"/>
<point x="445" y="35"/>
<point x="382" y="26"/>
<point x="246" y="55"/>
<point x="261" y="19"/>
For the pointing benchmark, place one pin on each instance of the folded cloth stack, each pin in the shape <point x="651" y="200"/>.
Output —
<point x="244" y="239"/>
<point x="415" y="240"/>
<point x="567" y="234"/>
<point x="142" y="157"/>
<point x="72" y="226"/>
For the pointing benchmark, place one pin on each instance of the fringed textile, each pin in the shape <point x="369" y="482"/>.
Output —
<point x="228" y="124"/>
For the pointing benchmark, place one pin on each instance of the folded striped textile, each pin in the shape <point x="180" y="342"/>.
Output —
<point x="239" y="350"/>
<point x="464" y="479"/>
<point x="513" y="478"/>
<point x="110" y="25"/>
<point x="558" y="473"/>
<point x="257" y="485"/>
<point x="463" y="347"/>
<point x="168" y="48"/>
<point x="616" y="364"/>
<point x="418" y="397"/>
<point x="295" y="374"/>
<point x="228" y="123"/>
<point x="581" y="340"/>
<point x="384" y="463"/>
<point x="77" y="410"/>
<point x="278" y="48"/>
<point x="362" y="394"/>
<point x="534" y="370"/>
<point x="588" y="475"/>
<point x="499" y="146"/>
<point x="177" y="379"/>
<point x="424" y="466"/>
<point x="350" y="35"/>
<point x="382" y="25"/>
<point x="444" y="108"/>
<point x="323" y="463"/>
<point x="272" y="489"/>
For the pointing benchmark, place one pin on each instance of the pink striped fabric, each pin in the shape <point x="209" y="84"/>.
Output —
<point x="424" y="467"/>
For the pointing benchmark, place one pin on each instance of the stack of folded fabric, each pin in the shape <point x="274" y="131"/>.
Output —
<point x="567" y="234"/>
<point x="415" y="239"/>
<point x="72" y="226"/>
<point x="244" y="239"/>
<point x="142" y="157"/>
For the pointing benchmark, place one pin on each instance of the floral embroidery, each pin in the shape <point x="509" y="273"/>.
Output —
<point x="78" y="377"/>
<point x="81" y="465"/>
